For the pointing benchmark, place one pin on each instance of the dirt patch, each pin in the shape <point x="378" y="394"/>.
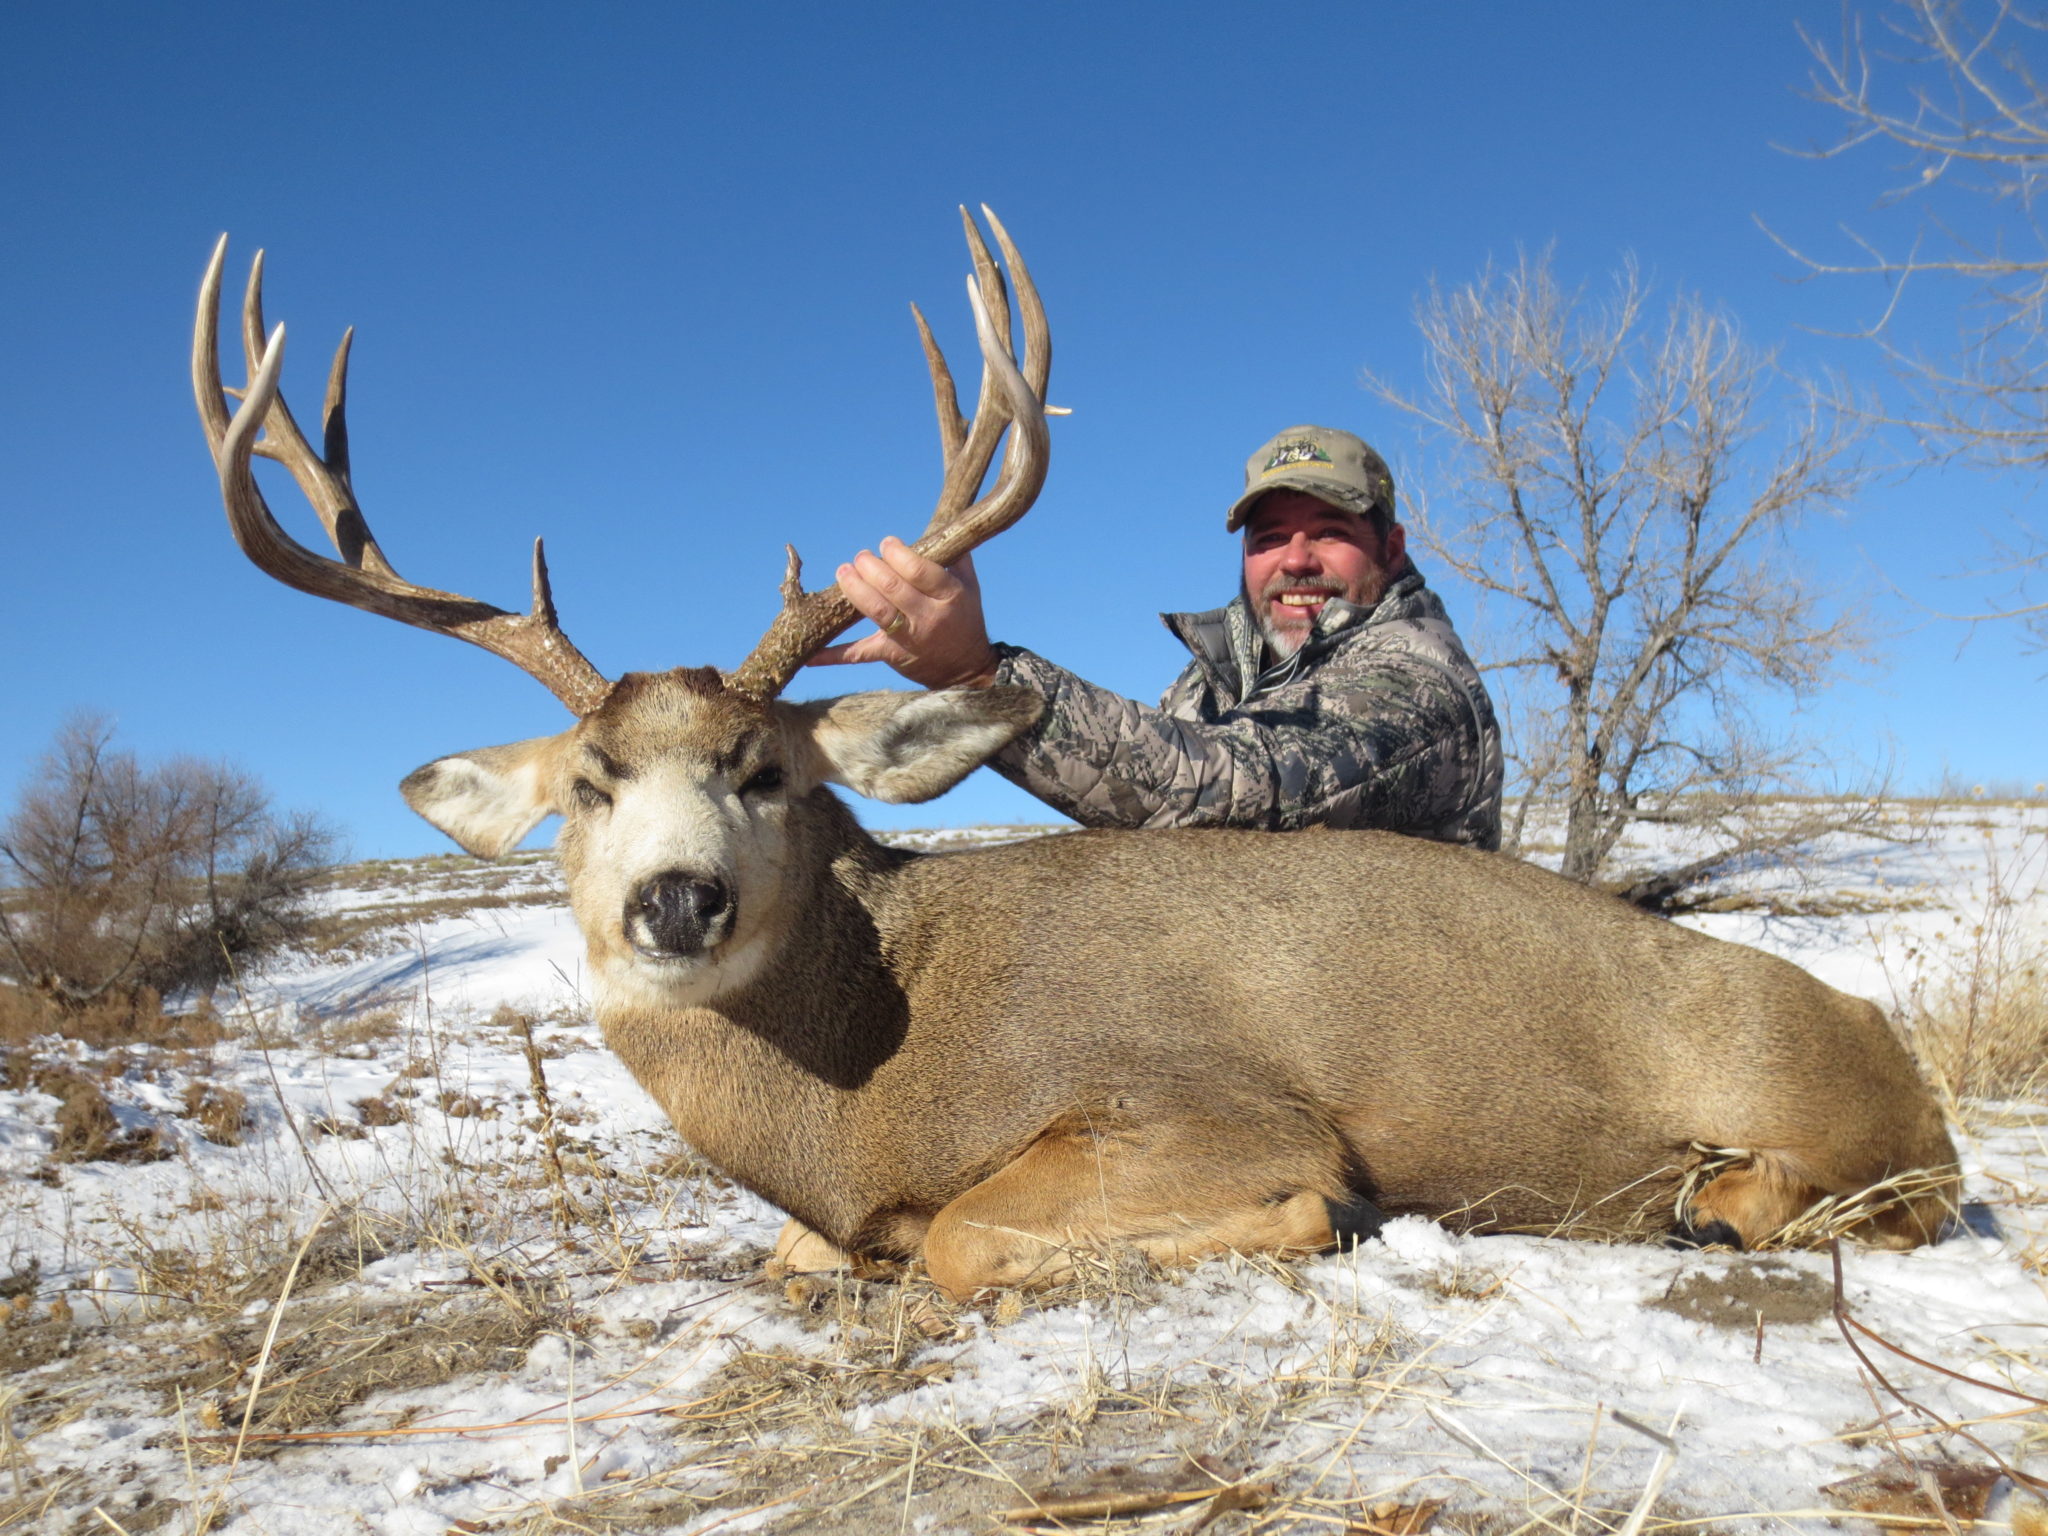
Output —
<point x="1735" y="1297"/>
<point x="28" y="1343"/>
<point x="330" y="1356"/>
<point x="139" y="1511"/>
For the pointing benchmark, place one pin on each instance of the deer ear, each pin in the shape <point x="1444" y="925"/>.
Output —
<point x="906" y="747"/>
<point x="487" y="800"/>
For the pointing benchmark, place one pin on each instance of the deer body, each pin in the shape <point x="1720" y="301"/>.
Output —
<point x="961" y="1012"/>
<point x="1182" y="1042"/>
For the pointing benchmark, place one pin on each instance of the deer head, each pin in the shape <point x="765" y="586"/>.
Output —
<point x="692" y="800"/>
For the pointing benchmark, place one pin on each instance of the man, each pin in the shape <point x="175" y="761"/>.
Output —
<point x="1332" y="691"/>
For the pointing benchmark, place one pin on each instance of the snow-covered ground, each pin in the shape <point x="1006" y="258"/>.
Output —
<point x="450" y="1336"/>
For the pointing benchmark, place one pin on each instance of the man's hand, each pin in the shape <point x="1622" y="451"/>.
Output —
<point x="929" y="616"/>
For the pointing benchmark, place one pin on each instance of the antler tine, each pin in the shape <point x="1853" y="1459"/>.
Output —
<point x="1037" y="361"/>
<point x="1024" y="464"/>
<point x="952" y="425"/>
<point x="809" y="620"/>
<point x="334" y="421"/>
<point x="989" y="275"/>
<point x="955" y="524"/>
<point x="967" y="463"/>
<point x="323" y="481"/>
<point x="207" y="389"/>
<point x="532" y="641"/>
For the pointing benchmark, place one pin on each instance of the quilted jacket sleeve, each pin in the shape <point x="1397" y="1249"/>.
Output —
<point x="1387" y="742"/>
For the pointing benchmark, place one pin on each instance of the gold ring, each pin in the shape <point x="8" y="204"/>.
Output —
<point x="896" y="625"/>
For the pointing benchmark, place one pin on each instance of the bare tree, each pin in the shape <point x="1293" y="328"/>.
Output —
<point x="1616" y="496"/>
<point x="118" y="876"/>
<point x="1950" y="93"/>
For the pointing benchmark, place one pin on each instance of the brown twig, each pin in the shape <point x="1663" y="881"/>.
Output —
<point x="545" y="1103"/>
<point x="1105" y="1506"/>
<point x="401" y="1431"/>
<point x="1850" y="1327"/>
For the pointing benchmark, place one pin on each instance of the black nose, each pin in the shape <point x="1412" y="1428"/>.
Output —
<point x="678" y="913"/>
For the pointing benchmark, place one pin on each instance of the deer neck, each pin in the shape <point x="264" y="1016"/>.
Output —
<point x="827" y="1002"/>
<point x="766" y="1077"/>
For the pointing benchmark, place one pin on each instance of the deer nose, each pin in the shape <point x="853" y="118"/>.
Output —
<point x="679" y="913"/>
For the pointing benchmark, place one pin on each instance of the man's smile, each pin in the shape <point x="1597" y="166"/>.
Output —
<point x="1299" y="601"/>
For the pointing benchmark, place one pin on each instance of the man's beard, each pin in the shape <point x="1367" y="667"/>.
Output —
<point x="1284" y="640"/>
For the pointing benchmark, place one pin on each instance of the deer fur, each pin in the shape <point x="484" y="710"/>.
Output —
<point x="1178" y="1042"/>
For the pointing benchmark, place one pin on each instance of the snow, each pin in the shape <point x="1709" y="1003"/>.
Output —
<point x="1487" y="1371"/>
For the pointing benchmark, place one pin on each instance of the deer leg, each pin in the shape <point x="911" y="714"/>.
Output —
<point x="1769" y="1192"/>
<point x="1175" y="1194"/>
<point x="801" y="1251"/>
<point x="1741" y="1206"/>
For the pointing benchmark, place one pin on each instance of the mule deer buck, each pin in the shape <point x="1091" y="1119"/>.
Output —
<point x="1175" y="1042"/>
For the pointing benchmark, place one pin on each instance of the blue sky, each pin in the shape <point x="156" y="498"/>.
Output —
<point x="635" y="277"/>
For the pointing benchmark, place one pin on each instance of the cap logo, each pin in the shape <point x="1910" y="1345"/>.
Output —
<point x="1303" y="450"/>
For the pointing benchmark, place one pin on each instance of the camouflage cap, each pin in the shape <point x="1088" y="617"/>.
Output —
<point x="1329" y="465"/>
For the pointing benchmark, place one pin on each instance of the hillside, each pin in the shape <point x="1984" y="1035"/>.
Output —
<point x="394" y="1244"/>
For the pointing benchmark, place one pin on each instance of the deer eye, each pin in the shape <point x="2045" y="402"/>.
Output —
<point x="763" y="780"/>
<point x="589" y="796"/>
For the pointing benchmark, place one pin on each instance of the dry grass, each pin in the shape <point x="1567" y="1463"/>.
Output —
<point x="775" y="1426"/>
<point x="366" y="932"/>
<point x="1976" y="1004"/>
<point x="1983" y="1034"/>
<point x="174" y="1322"/>
<point x="117" y="1019"/>
<point x="785" y="1429"/>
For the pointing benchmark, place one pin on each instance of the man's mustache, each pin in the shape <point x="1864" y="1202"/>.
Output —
<point x="1278" y="584"/>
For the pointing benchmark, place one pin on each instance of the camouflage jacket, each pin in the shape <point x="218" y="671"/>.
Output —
<point x="1380" y="720"/>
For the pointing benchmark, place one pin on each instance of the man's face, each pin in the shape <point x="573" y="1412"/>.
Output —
<point x="1300" y="552"/>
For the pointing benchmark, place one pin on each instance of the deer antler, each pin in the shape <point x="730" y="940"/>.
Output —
<point x="1011" y="396"/>
<point x="362" y="577"/>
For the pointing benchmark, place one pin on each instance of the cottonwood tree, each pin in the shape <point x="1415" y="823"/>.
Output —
<point x="1617" y="482"/>
<point x="1944" y="105"/>
<point x="115" y="876"/>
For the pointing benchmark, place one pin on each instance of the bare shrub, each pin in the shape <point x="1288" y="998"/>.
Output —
<point x="126" y="876"/>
